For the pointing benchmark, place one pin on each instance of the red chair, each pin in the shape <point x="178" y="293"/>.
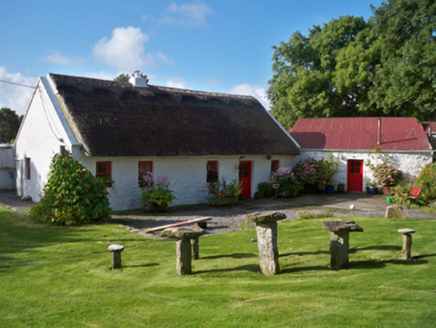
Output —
<point x="412" y="196"/>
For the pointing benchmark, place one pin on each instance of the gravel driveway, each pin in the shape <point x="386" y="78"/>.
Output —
<point x="227" y="218"/>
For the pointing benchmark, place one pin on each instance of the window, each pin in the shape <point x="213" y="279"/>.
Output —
<point x="143" y="167"/>
<point x="212" y="171"/>
<point x="274" y="165"/>
<point x="104" y="173"/>
<point x="27" y="168"/>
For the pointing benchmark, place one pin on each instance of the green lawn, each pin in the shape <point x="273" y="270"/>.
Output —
<point x="61" y="277"/>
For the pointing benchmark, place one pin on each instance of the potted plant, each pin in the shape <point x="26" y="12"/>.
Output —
<point x="341" y="187"/>
<point x="328" y="168"/>
<point x="386" y="175"/>
<point x="223" y="193"/>
<point x="308" y="173"/>
<point x="155" y="196"/>
<point x="371" y="187"/>
<point x="284" y="182"/>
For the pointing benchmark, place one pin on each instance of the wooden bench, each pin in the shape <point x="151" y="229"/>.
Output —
<point x="412" y="196"/>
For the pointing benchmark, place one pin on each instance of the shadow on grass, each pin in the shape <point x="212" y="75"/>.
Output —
<point x="249" y="267"/>
<point x="306" y="268"/>
<point x="376" y="248"/>
<point x="304" y="253"/>
<point x="234" y="255"/>
<point x="423" y="256"/>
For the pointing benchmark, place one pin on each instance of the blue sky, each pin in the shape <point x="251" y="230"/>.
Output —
<point x="220" y="46"/>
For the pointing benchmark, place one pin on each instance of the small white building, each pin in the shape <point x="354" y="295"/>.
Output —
<point x="356" y="140"/>
<point x="120" y="130"/>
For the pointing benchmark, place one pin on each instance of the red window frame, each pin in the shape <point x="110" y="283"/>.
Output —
<point x="274" y="165"/>
<point x="212" y="171"/>
<point x="27" y="168"/>
<point x="103" y="171"/>
<point x="144" y="167"/>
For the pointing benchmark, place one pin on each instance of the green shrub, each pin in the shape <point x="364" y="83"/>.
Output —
<point x="426" y="180"/>
<point x="265" y="189"/>
<point x="72" y="195"/>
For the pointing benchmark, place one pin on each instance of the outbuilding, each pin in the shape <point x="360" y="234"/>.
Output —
<point x="355" y="141"/>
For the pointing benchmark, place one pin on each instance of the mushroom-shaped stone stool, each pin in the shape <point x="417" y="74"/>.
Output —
<point x="183" y="246"/>
<point x="116" y="255"/>
<point x="406" y="253"/>
<point x="339" y="241"/>
<point x="266" y="228"/>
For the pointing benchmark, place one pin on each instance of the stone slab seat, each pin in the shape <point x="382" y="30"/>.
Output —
<point x="339" y="240"/>
<point x="184" y="235"/>
<point x="266" y="228"/>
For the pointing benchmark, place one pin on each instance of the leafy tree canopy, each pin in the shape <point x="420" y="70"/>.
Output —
<point x="9" y="124"/>
<point x="385" y="66"/>
<point x="123" y="77"/>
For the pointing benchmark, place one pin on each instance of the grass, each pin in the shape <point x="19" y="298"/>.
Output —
<point x="61" y="277"/>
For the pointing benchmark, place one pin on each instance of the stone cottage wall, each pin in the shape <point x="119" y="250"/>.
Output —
<point x="410" y="163"/>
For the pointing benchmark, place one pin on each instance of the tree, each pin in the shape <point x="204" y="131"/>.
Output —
<point x="350" y="67"/>
<point x="304" y="72"/>
<point x="9" y="124"/>
<point x="125" y="77"/>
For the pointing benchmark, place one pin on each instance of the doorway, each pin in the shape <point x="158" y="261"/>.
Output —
<point x="355" y="175"/>
<point x="245" y="178"/>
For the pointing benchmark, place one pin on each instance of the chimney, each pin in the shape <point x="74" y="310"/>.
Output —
<point x="138" y="81"/>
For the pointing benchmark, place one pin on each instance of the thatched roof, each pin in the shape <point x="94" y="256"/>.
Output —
<point x="117" y="119"/>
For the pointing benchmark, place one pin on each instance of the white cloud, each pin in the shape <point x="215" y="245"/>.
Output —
<point x="256" y="91"/>
<point x="188" y="14"/>
<point x="14" y="96"/>
<point x="177" y="82"/>
<point x="124" y="50"/>
<point x="56" y="58"/>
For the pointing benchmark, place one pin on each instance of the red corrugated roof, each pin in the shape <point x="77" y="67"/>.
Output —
<point x="396" y="133"/>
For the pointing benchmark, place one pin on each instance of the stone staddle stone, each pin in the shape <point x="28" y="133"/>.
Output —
<point x="116" y="255"/>
<point x="183" y="246"/>
<point x="406" y="253"/>
<point x="266" y="228"/>
<point x="183" y="233"/>
<point x="265" y="217"/>
<point x="339" y="240"/>
<point x="341" y="225"/>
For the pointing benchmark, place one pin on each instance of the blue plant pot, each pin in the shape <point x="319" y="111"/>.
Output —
<point x="329" y="189"/>
<point x="373" y="191"/>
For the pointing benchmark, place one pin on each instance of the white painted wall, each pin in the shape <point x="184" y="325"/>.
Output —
<point x="39" y="139"/>
<point x="7" y="167"/>
<point x="411" y="163"/>
<point x="187" y="175"/>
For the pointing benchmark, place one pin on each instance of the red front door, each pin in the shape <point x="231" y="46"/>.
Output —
<point x="355" y="175"/>
<point x="245" y="178"/>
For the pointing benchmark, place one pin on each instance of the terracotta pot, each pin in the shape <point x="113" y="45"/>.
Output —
<point x="224" y="201"/>
<point x="387" y="190"/>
